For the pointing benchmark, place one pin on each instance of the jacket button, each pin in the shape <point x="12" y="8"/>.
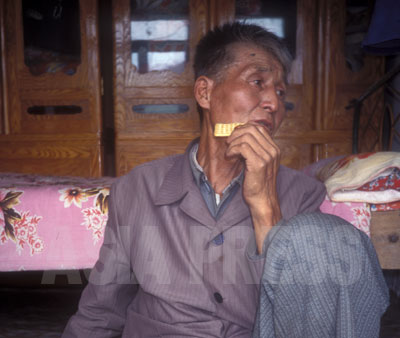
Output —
<point x="218" y="297"/>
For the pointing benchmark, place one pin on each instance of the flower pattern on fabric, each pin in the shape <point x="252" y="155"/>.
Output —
<point x="8" y="215"/>
<point x="26" y="233"/>
<point x="96" y="221"/>
<point x="386" y="206"/>
<point x="356" y="213"/>
<point x="95" y="218"/>
<point x="384" y="182"/>
<point x="361" y="217"/>
<point x="101" y="199"/>
<point x="19" y="228"/>
<point x="73" y="195"/>
<point x="77" y="196"/>
<point x="381" y="184"/>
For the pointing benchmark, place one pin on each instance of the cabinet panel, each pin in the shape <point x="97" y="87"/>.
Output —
<point x="294" y="155"/>
<point x="47" y="155"/>
<point x="299" y="117"/>
<point x="134" y="151"/>
<point x="50" y="91"/>
<point x="385" y="234"/>
<point x="141" y="137"/>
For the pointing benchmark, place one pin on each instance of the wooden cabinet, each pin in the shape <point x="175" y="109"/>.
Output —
<point x="321" y="86"/>
<point x="51" y="113"/>
<point x="154" y="113"/>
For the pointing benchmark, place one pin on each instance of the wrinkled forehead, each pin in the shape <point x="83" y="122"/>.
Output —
<point x="248" y="56"/>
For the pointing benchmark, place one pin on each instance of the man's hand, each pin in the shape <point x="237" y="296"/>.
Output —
<point x="261" y="155"/>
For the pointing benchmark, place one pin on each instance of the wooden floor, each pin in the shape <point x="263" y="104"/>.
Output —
<point x="34" y="312"/>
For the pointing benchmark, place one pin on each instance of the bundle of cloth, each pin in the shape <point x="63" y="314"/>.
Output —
<point x="359" y="184"/>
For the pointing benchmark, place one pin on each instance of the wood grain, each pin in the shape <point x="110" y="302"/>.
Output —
<point x="75" y="155"/>
<point x="157" y="87"/>
<point x="385" y="235"/>
<point x="135" y="151"/>
<point x="24" y="90"/>
<point x="23" y="85"/>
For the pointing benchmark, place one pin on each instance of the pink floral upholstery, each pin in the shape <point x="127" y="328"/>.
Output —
<point x="51" y="222"/>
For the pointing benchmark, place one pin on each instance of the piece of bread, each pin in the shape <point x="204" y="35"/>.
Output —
<point x="225" y="129"/>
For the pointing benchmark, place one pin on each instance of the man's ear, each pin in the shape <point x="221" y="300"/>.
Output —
<point x="202" y="91"/>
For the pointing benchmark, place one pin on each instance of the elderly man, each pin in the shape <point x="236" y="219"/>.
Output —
<point x="195" y="243"/>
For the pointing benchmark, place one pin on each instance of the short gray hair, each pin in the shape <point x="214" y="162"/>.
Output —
<point x="212" y="52"/>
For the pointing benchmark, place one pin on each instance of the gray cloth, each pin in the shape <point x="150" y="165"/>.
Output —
<point x="161" y="234"/>
<point x="321" y="279"/>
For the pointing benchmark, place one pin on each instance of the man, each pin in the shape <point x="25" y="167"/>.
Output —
<point x="191" y="236"/>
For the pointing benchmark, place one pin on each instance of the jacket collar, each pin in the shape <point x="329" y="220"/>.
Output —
<point x="179" y="185"/>
<point x="178" y="181"/>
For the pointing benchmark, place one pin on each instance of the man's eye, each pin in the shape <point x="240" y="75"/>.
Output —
<point x="258" y="83"/>
<point x="280" y="92"/>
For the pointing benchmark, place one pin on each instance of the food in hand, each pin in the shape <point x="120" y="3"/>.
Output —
<point x="225" y="129"/>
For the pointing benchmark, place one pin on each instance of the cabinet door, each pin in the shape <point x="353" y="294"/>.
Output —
<point x="52" y="106"/>
<point x="155" y="113"/>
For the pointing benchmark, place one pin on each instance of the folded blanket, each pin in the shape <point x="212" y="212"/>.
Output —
<point x="369" y="177"/>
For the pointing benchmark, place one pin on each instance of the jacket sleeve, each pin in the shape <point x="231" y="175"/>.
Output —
<point x="111" y="287"/>
<point x="298" y="193"/>
<point x="313" y="197"/>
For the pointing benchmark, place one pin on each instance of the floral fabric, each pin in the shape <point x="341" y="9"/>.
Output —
<point x="386" y="206"/>
<point x="390" y="182"/>
<point x="51" y="222"/>
<point x="356" y="213"/>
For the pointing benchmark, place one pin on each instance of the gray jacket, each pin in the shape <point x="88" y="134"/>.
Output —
<point x="160" y="271"/>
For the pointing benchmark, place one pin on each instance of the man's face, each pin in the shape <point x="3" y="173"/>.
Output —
<point x="252" y="89"/>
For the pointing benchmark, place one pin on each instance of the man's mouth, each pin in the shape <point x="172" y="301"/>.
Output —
<point x="266" y="124"/>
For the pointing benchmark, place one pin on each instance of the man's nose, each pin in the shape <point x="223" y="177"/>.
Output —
<point x="269" y="99"/>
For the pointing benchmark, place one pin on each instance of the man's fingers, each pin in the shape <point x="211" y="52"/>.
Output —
<point x="250" y="153"/>
<point x="250" y="143"/>
<point x="256" y="131"/>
